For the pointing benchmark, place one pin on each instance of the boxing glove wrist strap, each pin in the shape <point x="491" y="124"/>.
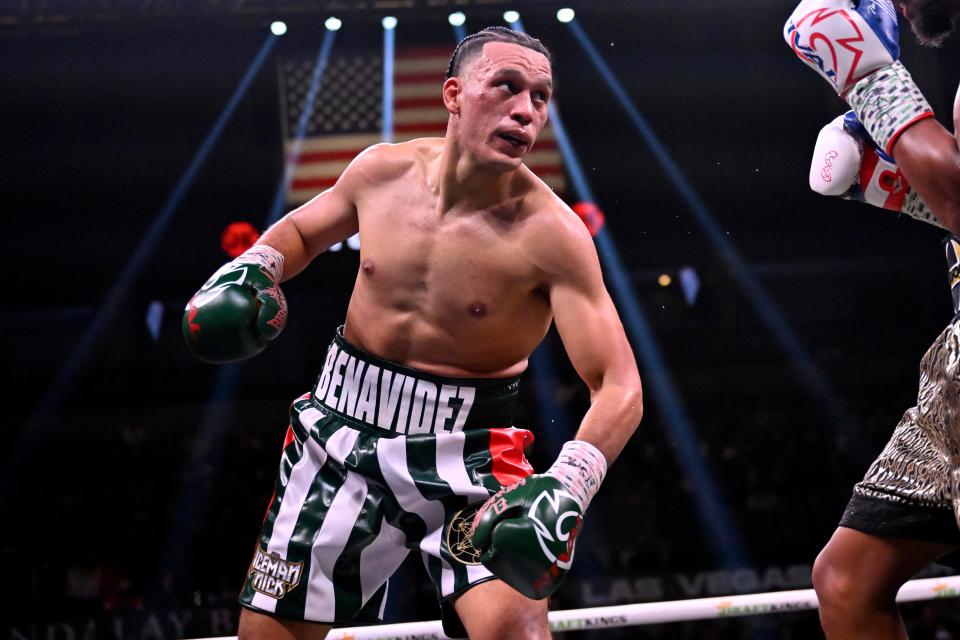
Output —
<point x="580" y="467"/>
<point x="887" y="103"/>
<point x="914" y="207"/>
<point x="266" y="257"/>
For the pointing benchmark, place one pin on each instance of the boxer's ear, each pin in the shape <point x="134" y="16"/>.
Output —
<point x="452" y="92"/>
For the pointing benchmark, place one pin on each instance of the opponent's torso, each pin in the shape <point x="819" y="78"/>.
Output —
<point x="453" y="293"/>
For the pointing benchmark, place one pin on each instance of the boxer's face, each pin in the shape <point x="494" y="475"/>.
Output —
<point x="503" y="103"/>
<point x="931" y="20"/>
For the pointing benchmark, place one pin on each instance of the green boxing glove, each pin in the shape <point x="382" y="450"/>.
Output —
<point x="239" y="309"/>
<point x="526" y="532"/>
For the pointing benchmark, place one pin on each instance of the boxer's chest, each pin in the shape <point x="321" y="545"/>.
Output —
<point x="468" y="263"/>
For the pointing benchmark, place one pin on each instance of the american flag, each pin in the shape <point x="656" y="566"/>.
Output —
<point x="348" y="111"/>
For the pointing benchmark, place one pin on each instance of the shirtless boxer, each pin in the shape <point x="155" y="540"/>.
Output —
<point x="466" y="259"/>
<point x="891" y="152"/>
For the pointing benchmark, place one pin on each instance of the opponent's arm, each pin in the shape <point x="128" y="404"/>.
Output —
<point x="929" y="157"/>
<point x="854" y="45"/>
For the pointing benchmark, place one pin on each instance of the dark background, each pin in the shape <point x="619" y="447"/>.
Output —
<point x="135" y="477"/>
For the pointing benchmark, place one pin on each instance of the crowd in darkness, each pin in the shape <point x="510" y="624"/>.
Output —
<point x="109" y="554"/>
<point x="136" y="515"/>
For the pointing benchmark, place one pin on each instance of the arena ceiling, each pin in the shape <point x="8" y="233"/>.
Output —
<point x="30" y="17"/>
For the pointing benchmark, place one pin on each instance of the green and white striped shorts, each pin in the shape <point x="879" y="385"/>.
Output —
<point x="377" y="460"/>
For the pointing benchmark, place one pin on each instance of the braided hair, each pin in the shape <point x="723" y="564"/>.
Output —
<point x="471" y="46"/>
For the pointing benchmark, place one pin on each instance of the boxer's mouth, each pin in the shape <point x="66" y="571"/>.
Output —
<point x="516" y="139"/>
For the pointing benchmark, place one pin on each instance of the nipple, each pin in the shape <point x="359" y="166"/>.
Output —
<point x="367" y="266"/>
<point x="478" y="309"/>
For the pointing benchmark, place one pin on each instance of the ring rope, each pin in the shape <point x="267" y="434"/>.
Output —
<point x="629" y="615"/>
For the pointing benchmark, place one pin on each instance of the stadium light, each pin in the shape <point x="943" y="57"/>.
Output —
<point x="278" y="27"/>
<point x="333" y="24"/>
<point x="389" y="37"/>
<point x="511" y="16"/>
<point x="565" y="15"/>
<point x="457" y="18"/>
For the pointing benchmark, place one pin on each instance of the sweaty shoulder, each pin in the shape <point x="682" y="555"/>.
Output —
<point x="383" y="163"/>
<point x="558" y="242"/>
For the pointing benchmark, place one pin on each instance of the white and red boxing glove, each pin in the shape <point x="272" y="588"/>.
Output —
<point x="846" y="163"/>
<point x="855" y="46"/>
<point x="842" y="40"/>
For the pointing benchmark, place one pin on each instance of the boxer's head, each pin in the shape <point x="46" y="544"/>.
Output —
<point x="497" y="89"/>
<point x="931" y="20"/>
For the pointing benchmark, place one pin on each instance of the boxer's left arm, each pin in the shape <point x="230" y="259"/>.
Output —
<point x="595" y="342"/>
<point x="526" y="533"/>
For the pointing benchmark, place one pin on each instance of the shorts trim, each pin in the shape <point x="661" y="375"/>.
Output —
<point x="452" y="624"/>
<point x="463" y="590"/>
<point x="881" y="517"/>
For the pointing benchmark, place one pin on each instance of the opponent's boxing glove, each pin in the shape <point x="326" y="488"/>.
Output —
<point x="847" y="163"/>
<point x="855" y="46"/>
<point x="526" y="532"/>
<point x="239" y="309"/>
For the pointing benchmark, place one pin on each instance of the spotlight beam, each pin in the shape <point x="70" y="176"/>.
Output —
<point x="199" y="475"/>
<point x="323" y="57"/>
<point x="39" y="422"/>
<point x="810" y="375"/>
<point x="724" y="536"/>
